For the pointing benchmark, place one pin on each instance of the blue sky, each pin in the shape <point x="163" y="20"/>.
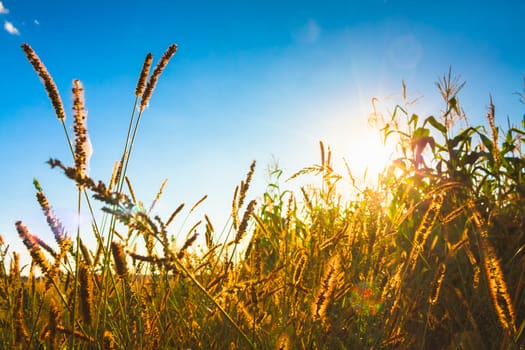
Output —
<point x="251" y="80"/>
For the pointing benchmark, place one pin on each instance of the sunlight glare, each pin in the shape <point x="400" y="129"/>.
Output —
<point x="367" y="155"/>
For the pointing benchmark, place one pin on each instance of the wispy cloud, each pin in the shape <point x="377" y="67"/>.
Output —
<point x="10" y="28"/>
<point x="3" y="10"/>
<point x="309" y="33"/>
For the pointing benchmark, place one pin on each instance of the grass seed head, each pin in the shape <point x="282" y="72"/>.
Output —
<point x="498" y="289"/>
<point x="440" y="276"/>
<point x="283" y="343"/>
<point x="299" y="268"/>
<point x="187" y="244"/>
<point x="328" y="282"/>
<point x="86" y="294"/>
<point x="425" y="228"/>
<point x="120" y="259"/>
<point x="21" y="333"/>
<point x="108" y="341"/>
<point x="85" y="254"/>
<point x="54" y="322"/>
<point x="141" y="83"/>
<point x="83" y="147"/>
<point x="152" y="82"/>
<point x="49" y="84"/>
<point x="33" y="246"/>
<point x="245" y="185"/>
<point x="494" y="132"/>
<point x="14" y="271"/>
<point x="53" y="222"/>
<point x="244" y="223"/>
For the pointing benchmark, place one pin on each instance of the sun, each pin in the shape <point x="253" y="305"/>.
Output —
<point x="359" y="149"/>
<point x="367" y="155"/>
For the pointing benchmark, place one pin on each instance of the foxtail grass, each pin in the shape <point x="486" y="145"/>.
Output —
<point x="141" y="83"/>
<point x="121" y="266"/>
<point x="423" y="231"/>
<point x="47" y="80"/>
<point x="438" y="282"/>
<point x="33" y="246"/>
<point x="21" y="331"/>
<point x="501" y="298"/>
<point x="326" y="289"/>
<point x="86" y="294"/>
<point x="82" y="143"/>
<point x="152" y="81"/>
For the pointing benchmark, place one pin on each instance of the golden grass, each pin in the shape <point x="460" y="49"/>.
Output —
<point x="119" y="257"/>
<point x="108" y="341"/>
<point x="438" y="282"/>
<point x="501" y="298"/>
<point x="328" y="284"/>
<point x="21" y="332"/>
<point x="86" y="294"/>
<point x="141" y="83"/>
<point x="49" y="83"/>
<point x="498" y="289"/>
<point x="51" y="334"/>
<point x="152" y="81"/>
<point x="54" y="223"/>
<point x="82" y="146"/>
<point x="396" y="266"/>
<point x="33" y="246"/>
<point x="423" y="231"/>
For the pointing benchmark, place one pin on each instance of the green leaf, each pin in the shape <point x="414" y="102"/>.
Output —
<point x="398" y="108"/>
<point x="516" y="130"/>
<point x="413" y="119"/>
<point x="464" y="136"/>
<point x="487" y="142"/>
<point x="420" y="133"/>
<point x="437" y="125"/>
<point x="453" y="103"/>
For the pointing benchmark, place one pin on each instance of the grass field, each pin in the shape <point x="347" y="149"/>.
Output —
<point x="431" y="257"/>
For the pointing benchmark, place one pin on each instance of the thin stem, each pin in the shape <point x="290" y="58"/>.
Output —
<point x="212" y="299"/>
<point x="69" y="143"/>
<point x="128" y="153"/>
<point x="77" y="263"/>
<point x="113" y="221"/>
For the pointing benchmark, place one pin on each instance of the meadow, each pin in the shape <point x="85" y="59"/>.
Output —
<point x="431" y="257"/>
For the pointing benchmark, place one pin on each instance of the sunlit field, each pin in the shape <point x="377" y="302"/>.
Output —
<point x="426" y="253"/>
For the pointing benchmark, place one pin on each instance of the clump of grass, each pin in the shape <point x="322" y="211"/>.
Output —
<point x="398" y="265"/>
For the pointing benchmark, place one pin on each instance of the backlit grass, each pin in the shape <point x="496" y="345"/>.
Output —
<point x="431" y="257"/>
